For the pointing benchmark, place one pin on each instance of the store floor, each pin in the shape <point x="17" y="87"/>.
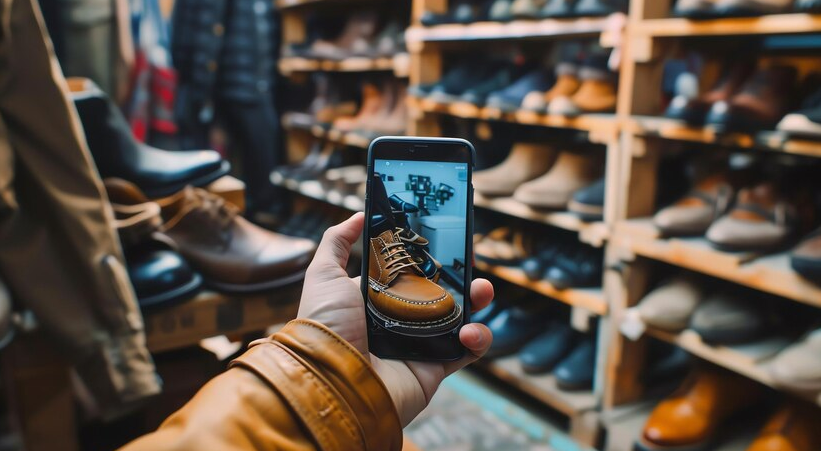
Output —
<point x="470" y="413"/>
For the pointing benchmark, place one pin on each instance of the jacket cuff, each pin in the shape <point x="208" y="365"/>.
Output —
<point x="333" y="361"/>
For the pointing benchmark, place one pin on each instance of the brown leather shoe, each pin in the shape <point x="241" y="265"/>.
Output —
<point x="399" y="294"/>
<point x="691" y="417"/>
<point x="764" y="218"/>
<point x="794" y="427"/>
<point x="694" y="111"/>
<point x="567" y="83"/>
<point x="232" y="254"/>
<point x="372" y="102"/>
<point x="693" y="214"/>
<point x="596" y="94"/>
<point x="354" y="39"/>
<point x="761" y="103"/>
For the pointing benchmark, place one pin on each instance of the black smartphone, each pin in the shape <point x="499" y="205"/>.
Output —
<point x="418" y="247"/>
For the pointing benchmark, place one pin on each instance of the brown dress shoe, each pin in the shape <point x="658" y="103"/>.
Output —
<point x="596" y="93"/>
<point x="761" y="103"/>
<point x="567" y="83"/>
<point x="763" y="219"/>
<point x="372" y="103"/>
<point x="693" y="214"/>
<point x="794" y="427"/>
<point x="232" y="254"/>
<point x="690" y="418"/>
<point x="694" y="111"/>
<point x="399" y="294"/>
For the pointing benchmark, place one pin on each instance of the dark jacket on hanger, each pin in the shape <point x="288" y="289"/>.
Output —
<point x="59" y="254"/>
<point x="223" y="51"/>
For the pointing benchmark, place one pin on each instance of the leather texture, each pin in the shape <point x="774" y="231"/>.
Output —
<point x="793" y="427"/>
<point x="117" y="154"/>
<point x="694" y="213"/>
<point x="726" y="318"/>
<point x="525" y="162"/>
<point x="512" y="328"/>
<point x="548" y="349"/>
<point x="398" y="288"/>
<point x="554" y="189"/>
<point x="301" y="389"/>
<point x="799" y="366"/>
<point x="671" y="305"/>
<point x="576" y="371"/>
<point x="697" y="411"/>
<point x="159" y="275"/>
<point x="232" y="254"/>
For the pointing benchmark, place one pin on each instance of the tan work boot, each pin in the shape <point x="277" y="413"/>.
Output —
<point x="567" y="83"/>
<point x="525" y="162"/>
<point x="400" y="295"/>
<point x="554" y="190"/>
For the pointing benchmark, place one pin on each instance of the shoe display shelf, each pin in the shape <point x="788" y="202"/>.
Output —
<point x="580" y="408"/>
<point x="39" y="382"/>
<point x="516" y="29"/>
<point x="398" y="64"/>
<point x="636" y="251"/>
<point x="313" y="189"/>
<point x="673" y="130"/>
<point x="288" y="4"/>
<point x="321" y="132"/>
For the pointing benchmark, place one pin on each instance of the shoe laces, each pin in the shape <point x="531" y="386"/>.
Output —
<point x="397" y="257"/>
<point x="215" y="208"/>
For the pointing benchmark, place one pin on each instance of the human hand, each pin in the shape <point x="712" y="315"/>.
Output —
<point x="332" y="298"/>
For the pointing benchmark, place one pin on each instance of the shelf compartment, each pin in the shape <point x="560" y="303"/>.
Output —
<point x="774" y="141"/>
<point x="735" y="26"/>
<point x="580" y="407"/>
<point x="590" y="299"/>
<point x="748" y="360"/>
<point x="318" y="131"/>
<point x="399" y="64"/>
<point x="518" y="29"/>
<point x="314" y="190"/>
<point x="768" y="273"/>
<point x="593" y="233"/>
<point x="602" y="128"/>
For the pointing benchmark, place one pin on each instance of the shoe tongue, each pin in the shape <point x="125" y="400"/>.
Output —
<point x="178" y="205"/>
<point x="123" y="192"/>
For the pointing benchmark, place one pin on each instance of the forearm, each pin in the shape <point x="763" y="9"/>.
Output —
<point x="304" y="388"/>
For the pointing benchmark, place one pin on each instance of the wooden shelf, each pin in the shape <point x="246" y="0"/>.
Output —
<point x="211" y="314"/>
<point x="751" y="360"/>
<point x="767" y="140"/>
<point x="518" y="29"/>
<point x="602" y="128"/>
<point x="286" y="4"/>
<point x="580" y="406"/>
<point x="741" y="26"/>
<point x="768" y="273"/>
<point x="318" y="131"/>
<point x="399" y="64"/>
<point x="314" y="190"/>
<point x="590" y="299"/>
<point x="593" y="233"/>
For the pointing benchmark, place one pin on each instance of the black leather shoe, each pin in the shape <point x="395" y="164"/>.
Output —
<point x="510" y="98"/>
<point x="159" y="275"/>
<point x="513" y="328"/>
<point x="588" y="203"/>
<point x="488" y="313"/>
<point x="400" y="206"/>
<point x="576" y="372"/>
<point x="548" y="349"/>
<point x="156" y="172"/>
<point x="459" y="79"/>
<point x="478" y="94"/>
<point x="582" y="268"/>
<point x="534" y="267"/>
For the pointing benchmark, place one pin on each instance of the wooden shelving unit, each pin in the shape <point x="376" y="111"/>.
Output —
<point x="398" y="64"/>
<point x="517" y="29"/>
<point x="744" y="26"/>
<point x="590" y="299"/>
<point x="353" y="139"/>
<point x="579" y="407"/>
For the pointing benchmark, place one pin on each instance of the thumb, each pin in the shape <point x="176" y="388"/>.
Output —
<point x="335" y="247"/>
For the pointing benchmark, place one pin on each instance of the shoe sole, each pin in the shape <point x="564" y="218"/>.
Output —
<point x="203" y="180"/>
<point x="420" y="328"/>
<point x="175" y="296"/>
<point x="229" y="288"/>
<point x="586" y="212"/>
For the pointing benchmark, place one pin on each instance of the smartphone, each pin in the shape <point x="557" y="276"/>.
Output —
<point x="418" y="247"/>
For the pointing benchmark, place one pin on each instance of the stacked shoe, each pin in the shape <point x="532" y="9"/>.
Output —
<point x="588" y="202"/>
<point x="118" y="154"/>
<point x="501" y="246"/>
<point x="510" y="98"/>
<point x="383" y="111"/>
<point x="566" y="266"/>
<point x="513" y="327"/>
<point x="799" y="366"/>
<point x="233" y="255"/>
<point x="525" y="162"/>
<point x="596" y="93"/>
<point x="567" y="83"/>
<point x="805" y="122"/>
<point x="554" y="189"/>
<point x="671" y="305"/>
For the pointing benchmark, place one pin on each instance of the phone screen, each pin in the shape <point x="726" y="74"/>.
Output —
<point x="418" y="256"/>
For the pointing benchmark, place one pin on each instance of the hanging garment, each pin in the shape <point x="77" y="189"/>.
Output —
<point x="58" y="253"/>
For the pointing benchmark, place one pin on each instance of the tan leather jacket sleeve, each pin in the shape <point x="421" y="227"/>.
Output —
<point x="303" y="388"/>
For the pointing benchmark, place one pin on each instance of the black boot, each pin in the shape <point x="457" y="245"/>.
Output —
<point x="157" y="172"/>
